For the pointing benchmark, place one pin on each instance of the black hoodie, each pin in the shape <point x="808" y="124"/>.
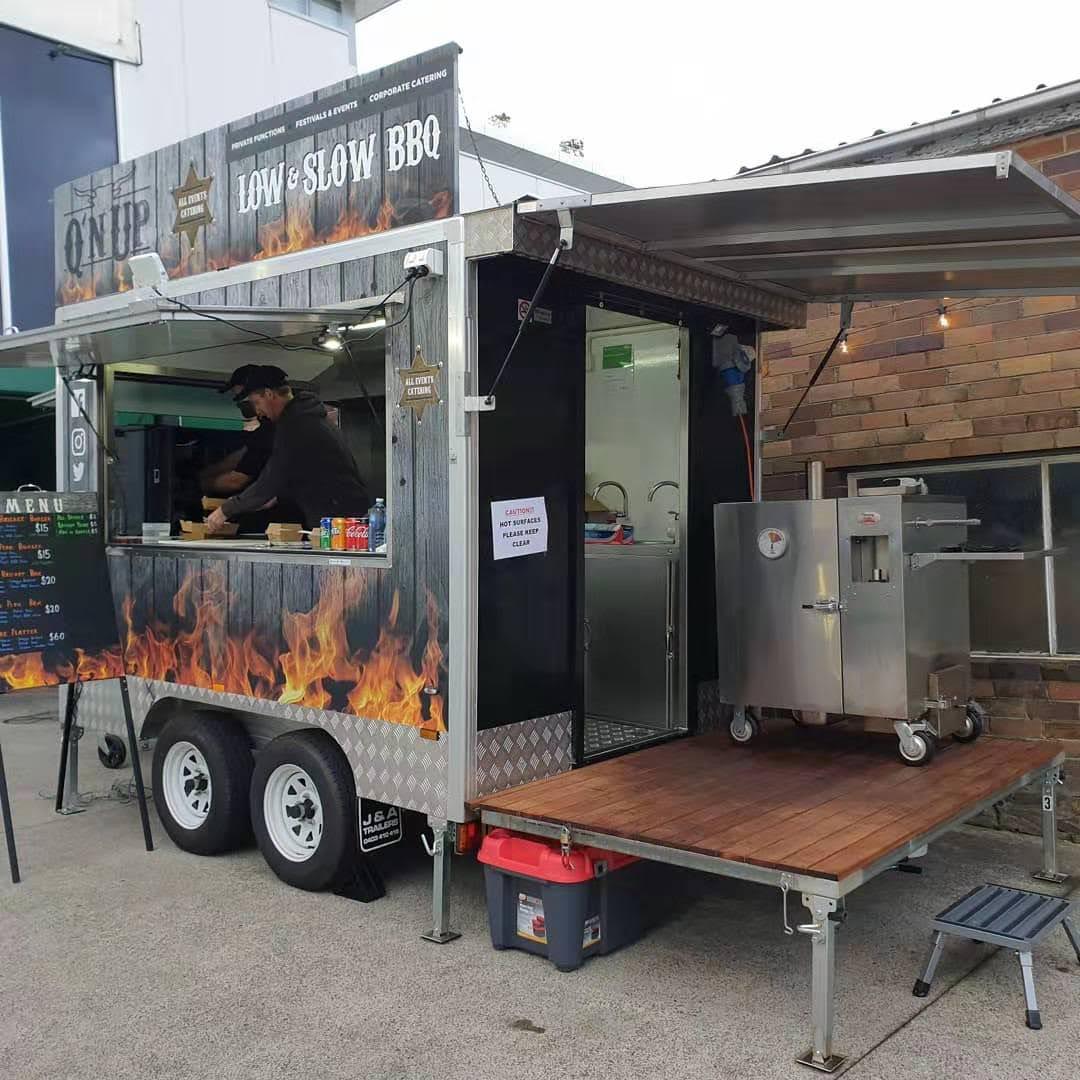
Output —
<point x="310" y="465"/>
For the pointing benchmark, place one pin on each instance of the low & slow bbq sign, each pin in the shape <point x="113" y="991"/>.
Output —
<point x="377" y="151"/>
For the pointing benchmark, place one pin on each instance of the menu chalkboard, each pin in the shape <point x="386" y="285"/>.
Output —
<point x="57" y="620"/>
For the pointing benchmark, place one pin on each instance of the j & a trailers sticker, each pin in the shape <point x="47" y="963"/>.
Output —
<point x="380" y="825"/>
<point x="519" y="527"/>
<point x="772" y="543"/>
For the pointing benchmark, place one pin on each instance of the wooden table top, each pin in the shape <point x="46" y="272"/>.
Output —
<point x="823" y="802"/>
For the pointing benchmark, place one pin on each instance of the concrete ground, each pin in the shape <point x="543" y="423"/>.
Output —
<point x="116" y="962"/>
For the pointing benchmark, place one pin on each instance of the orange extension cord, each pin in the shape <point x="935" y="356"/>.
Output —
<point x="749" y="455"/>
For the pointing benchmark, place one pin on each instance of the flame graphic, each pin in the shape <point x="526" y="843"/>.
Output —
<point x="30" y="670"/>
<point x="318" y="667"/>
<point x="294" y="231"/>
<point x="74" y="291"/>
<point x="184" y="268"/>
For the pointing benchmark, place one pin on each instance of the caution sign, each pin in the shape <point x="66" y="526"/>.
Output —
<point x="519" y="527"/>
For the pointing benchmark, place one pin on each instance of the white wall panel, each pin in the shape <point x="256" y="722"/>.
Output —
<point x="104" y="27"/>
<point x="207" y="62"/>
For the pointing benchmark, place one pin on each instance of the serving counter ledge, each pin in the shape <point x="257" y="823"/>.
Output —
<point x="248" y="549"/>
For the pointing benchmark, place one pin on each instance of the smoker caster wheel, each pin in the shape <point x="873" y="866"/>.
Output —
<point x="747" y="732"/>
<point x="921" y="989"/>
<point x="111" y="752"/>
<point x="1033" y="1019"/>
<point x="923" y="751"/>
<point x="974" y="724"/>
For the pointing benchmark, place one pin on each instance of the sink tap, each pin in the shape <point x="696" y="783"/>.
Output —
<point x="625" y="498"/>
<point x="665" y="483"/>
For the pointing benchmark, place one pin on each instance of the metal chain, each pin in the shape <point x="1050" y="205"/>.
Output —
<point x="476" y="149"/>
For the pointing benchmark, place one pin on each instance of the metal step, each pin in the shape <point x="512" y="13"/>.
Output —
<point x="1014" y="918"/>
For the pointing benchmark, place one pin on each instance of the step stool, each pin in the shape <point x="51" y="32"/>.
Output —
<point x="1014" y="918"/>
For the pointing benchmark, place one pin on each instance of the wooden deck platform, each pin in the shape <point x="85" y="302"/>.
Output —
<point x="823" y="804"/>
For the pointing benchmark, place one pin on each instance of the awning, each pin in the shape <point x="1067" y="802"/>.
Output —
<point x="156" y="337"/>
<point x="981" y="225"/>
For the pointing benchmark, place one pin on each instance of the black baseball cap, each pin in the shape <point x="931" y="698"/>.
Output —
<point x="260" y="377"/>
<point x="235" y="382"/>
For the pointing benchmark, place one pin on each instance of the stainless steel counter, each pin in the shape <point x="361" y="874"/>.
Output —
<point x="645" y="549"/>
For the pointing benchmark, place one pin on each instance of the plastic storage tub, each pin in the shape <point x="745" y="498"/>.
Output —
<point x="566" y="910"/>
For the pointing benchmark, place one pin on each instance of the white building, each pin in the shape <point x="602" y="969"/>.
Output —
<point x="84" y="85"/>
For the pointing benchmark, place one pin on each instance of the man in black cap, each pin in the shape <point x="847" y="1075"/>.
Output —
<point x="237" y="470"/>
<point x="310" y="463"/>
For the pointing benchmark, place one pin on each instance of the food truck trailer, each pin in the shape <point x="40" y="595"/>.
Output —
<point x="504" y="370"/>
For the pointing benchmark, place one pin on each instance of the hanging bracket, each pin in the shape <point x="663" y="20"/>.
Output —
<point x="566" y="228"/>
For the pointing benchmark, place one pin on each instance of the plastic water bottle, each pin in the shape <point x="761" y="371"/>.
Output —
<point x="377" y="524"/>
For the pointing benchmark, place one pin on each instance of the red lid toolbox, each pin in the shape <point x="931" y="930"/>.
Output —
<point x="566" y="908"/>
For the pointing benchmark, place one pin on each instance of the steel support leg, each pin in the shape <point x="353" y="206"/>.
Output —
<point x="822" y="934"/>
<point x="937" y="946"/>
<point x="1073" y="939"/>
<point x="1049" y="871"/>
<point x="67" y="785"/>
<point x="136" y="764"/>
<point x="441" y="852"/>
<point x="9" y="829"/>
<point x="1034" y="1021"/>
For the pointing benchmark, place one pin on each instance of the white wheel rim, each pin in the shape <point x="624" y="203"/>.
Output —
<point x="923" y="747"/>
<point x="293" y="813"/>
<point x="185" y="782"/>
<point x="745" y="735"/>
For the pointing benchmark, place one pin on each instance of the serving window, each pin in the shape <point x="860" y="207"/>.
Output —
<point x="181" y="447"/>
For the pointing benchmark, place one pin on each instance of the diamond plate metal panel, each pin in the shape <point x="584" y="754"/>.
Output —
<point x="517" y="753"/>
<point x="390" y="762"/>
<point x="713" y="714"/>
<point x="489" y="232"/>
<point x="656" y="275"/>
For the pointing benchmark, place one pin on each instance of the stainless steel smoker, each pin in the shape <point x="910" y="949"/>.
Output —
<point x="852" y="606"/>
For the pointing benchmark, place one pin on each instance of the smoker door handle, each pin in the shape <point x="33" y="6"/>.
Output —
<point x="829" y="607"/>
<point x="928" y="523"/>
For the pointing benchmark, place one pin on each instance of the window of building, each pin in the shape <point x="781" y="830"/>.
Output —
<point x="324" y="12"/>
<point x="58" y="121"/>
<point x="1018" y="608"/>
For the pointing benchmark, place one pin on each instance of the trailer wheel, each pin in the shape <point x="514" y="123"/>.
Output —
<point x="974" y="724"/>
<point x="923" y="751"/>
<point x="111" y="752"/>
<point x="303" y="807"/>
<point x="201" y="775"/>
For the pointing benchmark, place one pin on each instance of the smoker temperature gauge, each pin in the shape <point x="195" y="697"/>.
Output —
<point x="772" y="543"/>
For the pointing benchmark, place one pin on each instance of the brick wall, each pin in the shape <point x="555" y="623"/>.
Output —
<point x="1003" y="378"/>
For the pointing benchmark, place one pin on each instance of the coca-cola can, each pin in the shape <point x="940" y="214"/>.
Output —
<point x="356" y="534"/>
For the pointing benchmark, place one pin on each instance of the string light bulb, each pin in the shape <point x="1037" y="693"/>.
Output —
<point x="844" y="344"/>
<point x="943" y="317"/>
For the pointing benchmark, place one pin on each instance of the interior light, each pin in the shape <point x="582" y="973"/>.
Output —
<point x="943" y="317"/>
<point x="329" y="340"/>
<point x="376" y="323"/>
<point x="844" y="344"/>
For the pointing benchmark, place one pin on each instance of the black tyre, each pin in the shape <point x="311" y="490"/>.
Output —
<point x="201" y="778"/>
<point x="974" y="724"/>
<point x="922" y="753"/>
<point x="112" y="752"/>
<point x="304" y="810"/>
